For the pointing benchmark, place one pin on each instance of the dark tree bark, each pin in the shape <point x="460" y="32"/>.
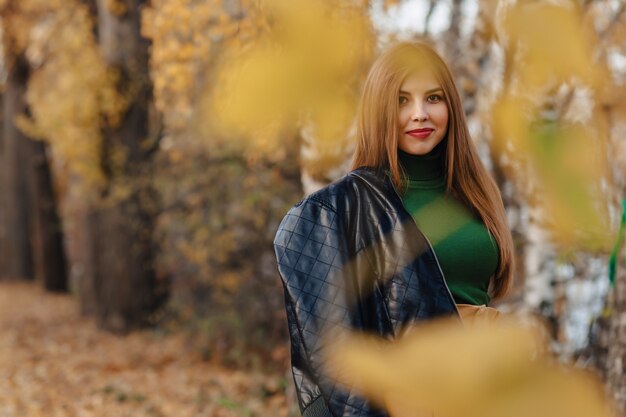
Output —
<point x="30" y="229"/>
<point x="50" y="260"/>
<point x="124" y="287"/>
<point x="16" y="257"/>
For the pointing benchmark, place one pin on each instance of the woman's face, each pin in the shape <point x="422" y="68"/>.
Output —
<point x="422" y="113"/>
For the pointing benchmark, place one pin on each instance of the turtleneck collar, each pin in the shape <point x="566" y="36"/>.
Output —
<point x="424" y="170"/>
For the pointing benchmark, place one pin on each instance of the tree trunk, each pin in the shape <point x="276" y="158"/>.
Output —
<point x="124" y="285"/>
<point x="616" y="354"/>
<point x="454" y="44"/>
<point x="50" y="260"/>
<point x="16" y="257"/>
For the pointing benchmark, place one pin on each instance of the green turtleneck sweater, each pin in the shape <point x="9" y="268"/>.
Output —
<point x="467" y="253"/>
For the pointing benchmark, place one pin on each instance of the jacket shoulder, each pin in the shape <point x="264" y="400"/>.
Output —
<point x="342" y="192"/>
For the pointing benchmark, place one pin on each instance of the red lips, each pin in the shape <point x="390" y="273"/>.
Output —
<point x="420" y="133"/>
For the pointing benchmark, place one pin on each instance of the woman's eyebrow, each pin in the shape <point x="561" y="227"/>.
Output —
<point x="435" y="90"/>
<point x="432" y="90"/>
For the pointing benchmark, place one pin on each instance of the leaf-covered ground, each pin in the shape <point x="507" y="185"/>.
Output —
<point x="53" y="362"/>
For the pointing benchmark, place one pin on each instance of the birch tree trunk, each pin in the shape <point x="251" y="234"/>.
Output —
<point x="616" y="355"/>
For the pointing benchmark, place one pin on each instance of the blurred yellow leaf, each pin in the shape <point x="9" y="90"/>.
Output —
<point x="568" y="161"/>
<point x="493" y="369"/>
<point x="561" y="164"/>
<point x="555" y="45"/>
<point x="510" y="123"/>
<point x="302" y="68"/>
<point x="565" y="164"/>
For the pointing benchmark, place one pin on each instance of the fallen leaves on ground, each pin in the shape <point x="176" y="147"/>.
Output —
<point x="54" y="362"/>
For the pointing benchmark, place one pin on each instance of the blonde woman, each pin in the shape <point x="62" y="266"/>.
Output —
<point x="417" y="230"/>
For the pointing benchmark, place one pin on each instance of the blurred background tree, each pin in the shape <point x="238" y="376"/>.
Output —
<point x="149" y="150"/>
<point x="30" y="225"/>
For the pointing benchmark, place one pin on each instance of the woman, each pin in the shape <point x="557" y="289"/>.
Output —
<point x="417" y="230"/>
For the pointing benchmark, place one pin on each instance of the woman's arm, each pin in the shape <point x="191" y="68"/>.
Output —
<point x="320" y="273"/>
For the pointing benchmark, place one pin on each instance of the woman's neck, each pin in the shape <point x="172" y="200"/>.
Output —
<point x="425" y="167"/>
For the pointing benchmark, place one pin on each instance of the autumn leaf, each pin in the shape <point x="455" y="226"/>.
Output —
<point x="299" y="71"/>
<point x="493" y="369"/>
<point x="555" y="45"/>
<point x="552" y="137"/>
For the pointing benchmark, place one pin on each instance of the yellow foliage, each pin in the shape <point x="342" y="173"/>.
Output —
<point x="183" y="33"/>
<point x="16" y="28"/>
<point x="71" y="92"/>
<point x="510" y="121"/>
<point x="180" y="47"/>
<point x="19" y="18"/>
<point x="555" y="46"/>
<point x="570" y="165"/>
<point x="563" y="160"/>
<point x="117" y="7"/>
<point x="565" y="165"/>
<point x="301" y="70"/>
<point x="229" y="282"/>
<point x="493" y="369"/>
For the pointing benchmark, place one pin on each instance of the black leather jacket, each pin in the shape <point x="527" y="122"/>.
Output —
<point x="351" y="256"/>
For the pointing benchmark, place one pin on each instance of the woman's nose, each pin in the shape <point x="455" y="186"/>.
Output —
<point x="419" y="113"/>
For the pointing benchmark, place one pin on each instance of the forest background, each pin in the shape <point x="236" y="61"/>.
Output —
<point x="148" y="150"/>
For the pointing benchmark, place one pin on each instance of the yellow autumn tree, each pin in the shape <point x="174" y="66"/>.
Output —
<point x="216" y="162"/>
<point x="70" y="91"/>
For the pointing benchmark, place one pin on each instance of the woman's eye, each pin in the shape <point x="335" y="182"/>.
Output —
<point x="434" y="98"/>
<point x="402" y="100"/>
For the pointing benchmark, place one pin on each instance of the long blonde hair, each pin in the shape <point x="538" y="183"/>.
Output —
<point x="467" y="178"/>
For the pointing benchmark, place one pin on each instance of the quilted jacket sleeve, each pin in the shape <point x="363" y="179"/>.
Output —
<point x="319" y="269"/>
